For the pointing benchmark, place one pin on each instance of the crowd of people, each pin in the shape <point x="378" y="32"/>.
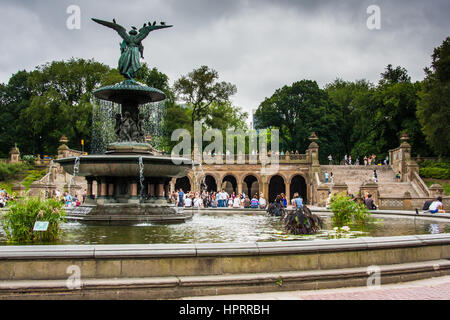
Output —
<point x="68" y="199"/>
<point x="367" y="160"/>
<point x="4" y="198"/>
<point x="221" y="199"/>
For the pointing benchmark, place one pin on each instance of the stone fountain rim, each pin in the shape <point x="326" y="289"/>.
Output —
<point x="120" y="92"/>
<point x="133" y="158"/>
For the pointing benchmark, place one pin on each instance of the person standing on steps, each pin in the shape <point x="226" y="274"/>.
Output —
<point x="375" y="176"/>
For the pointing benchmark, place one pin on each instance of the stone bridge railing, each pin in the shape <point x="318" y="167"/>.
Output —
<point x="255" y="159"/>
<point x="407" y="203"/>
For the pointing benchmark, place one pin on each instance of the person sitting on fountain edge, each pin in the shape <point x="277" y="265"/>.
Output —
<point x="297" y="202"/>
<point x="437" y="206"/>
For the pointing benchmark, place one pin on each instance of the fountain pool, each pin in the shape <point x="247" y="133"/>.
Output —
<point x="208" y="226"/>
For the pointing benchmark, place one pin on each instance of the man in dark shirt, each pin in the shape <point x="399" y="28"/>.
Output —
<point x="369" y="203"/>
<point x="181" y="198"/>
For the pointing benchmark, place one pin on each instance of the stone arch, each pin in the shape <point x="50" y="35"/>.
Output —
<point x="277" y="185"/>
<point x="298" y="183"/>
<point x="211" y="182"/>
<point x="250" y="184"/>
<point x="184" y="183"/>
<point x="229" y="183"/>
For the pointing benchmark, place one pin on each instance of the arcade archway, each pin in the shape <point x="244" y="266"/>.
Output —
<point x="183" y="183"/>
<point x="210" y="183"/>
<point x="276" y="187"/>
<point x="250" y="186"/>
<point x="229" y="184"/>
<point x="298" y="184"/>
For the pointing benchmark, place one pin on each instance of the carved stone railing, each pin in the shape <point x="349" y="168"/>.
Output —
<point x="406" y="203"/>
<point x="254" y="159"/>
<point x="417" y="180"/>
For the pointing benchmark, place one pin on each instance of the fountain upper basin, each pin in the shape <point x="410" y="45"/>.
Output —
<point x="127" y="166"/>
<point x="129" y="90"/>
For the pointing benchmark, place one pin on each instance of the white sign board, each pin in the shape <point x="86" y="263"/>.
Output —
<point x="40" y="226"/>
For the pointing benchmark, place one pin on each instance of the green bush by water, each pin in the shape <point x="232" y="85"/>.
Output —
<point x="345" y="211"/>
<point x="18" y="221"/>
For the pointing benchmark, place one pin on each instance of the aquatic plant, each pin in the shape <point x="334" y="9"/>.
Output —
<point x="302" y="221"/>
<point x="19" y="220"/>
<point x="345" y="211"/>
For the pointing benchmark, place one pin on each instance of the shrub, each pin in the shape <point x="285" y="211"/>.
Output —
<point x="435" y="173"/>
<point x="346" y="211"/>
<point x="30" y="159"/>
<point x="9" y="171"/>
<point x="32" y="176"/>
<point x="18" y="221"/>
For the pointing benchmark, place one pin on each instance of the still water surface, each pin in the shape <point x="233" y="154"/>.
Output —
<point x="219" y="228"/>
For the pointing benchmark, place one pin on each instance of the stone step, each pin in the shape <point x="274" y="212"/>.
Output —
<point x="184" y="286"/>
<point x="355" y="176"/>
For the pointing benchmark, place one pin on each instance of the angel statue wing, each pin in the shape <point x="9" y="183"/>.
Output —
<point x="113" y="25"/>
<point x="145" y="30"/>
<point x="131" y="47"/>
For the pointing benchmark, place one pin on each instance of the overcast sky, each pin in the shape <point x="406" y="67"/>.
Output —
<point x="258" y="45"/>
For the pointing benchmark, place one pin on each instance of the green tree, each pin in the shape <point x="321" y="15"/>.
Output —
<point x="433" y="110"/>
<point x="200" y="89"/>
<point x="391" y="75"/>
<point x="379" y="115"/>
<point x="225" y="116"/>
<point x="297" y="111"/>
<point x="14" y="98"/>
<point x="347" y="99"/>
<point x="60" y="103"/>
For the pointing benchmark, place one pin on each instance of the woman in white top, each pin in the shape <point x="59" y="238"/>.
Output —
<point x="237" y="202"/>
<point x="197" y="202"/>
<point x="188" y="202"/>
<point x="437" y="206"/>
<point x="262" y="201"/>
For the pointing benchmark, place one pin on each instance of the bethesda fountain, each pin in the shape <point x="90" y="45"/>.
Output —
<point x="132" y="178"/>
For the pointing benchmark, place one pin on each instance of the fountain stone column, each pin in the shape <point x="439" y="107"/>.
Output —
<point x="134" y="198"/>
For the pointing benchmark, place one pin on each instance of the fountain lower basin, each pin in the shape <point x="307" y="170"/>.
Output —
<point x="129" y="188"/>
<point x="127" y="166"/>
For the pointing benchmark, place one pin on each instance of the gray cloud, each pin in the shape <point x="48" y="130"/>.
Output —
<point x="257" y="45"/>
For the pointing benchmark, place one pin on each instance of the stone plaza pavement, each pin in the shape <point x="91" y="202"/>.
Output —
<point x="429" y="289"/>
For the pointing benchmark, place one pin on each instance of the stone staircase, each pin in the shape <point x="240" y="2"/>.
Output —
<point x="355" y="176"/>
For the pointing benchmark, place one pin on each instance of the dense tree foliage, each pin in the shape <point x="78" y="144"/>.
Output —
<point x="200" y="89"/>
<point x="433" y="108"/>
<point x="355" y="118"/>
<point x="350" y="117"/>
<point x="296" y="111"/>
<point x="40" y="106"/>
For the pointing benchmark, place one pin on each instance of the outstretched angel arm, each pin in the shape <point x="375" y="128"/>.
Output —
<point x="144" y="31"/>
<point x="120" y="30"/>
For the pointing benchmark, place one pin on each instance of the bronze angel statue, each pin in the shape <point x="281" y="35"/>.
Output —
<point x="131" y="48"/>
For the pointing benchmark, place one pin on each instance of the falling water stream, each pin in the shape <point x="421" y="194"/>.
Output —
<point x="141" y="177"/>
<point x="76" y="169"/>
<point x="49" y="173"/>
<point x="103" y="122"/>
